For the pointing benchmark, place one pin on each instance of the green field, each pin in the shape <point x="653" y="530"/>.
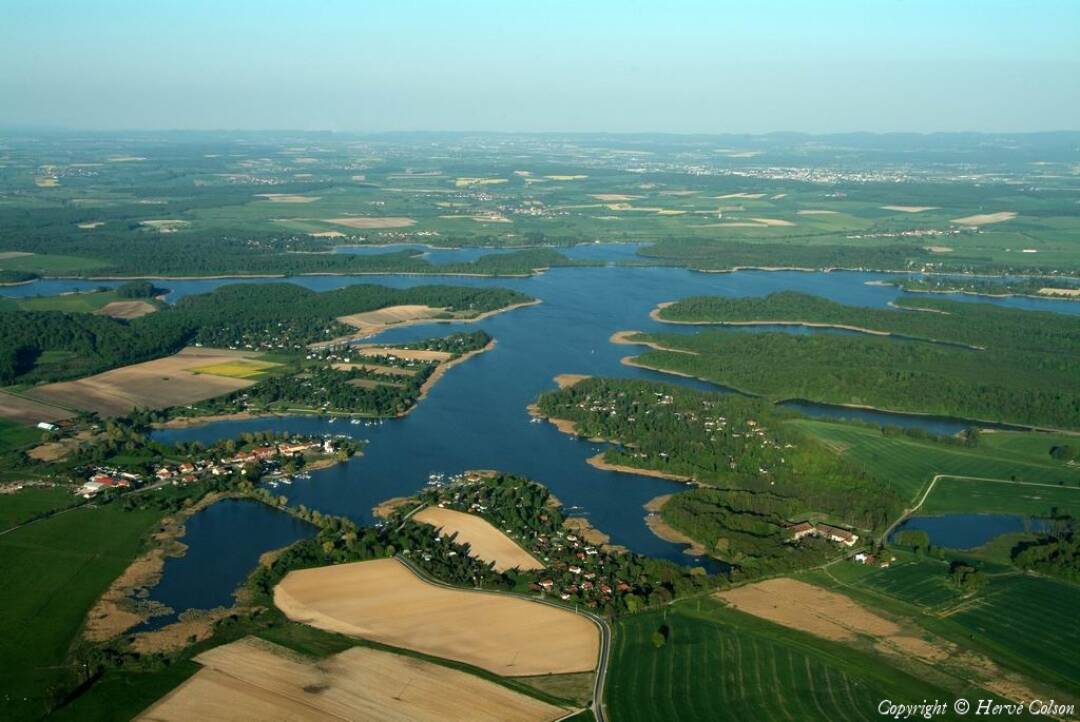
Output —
<point x="922" y="582"/>
<point x="53" y="571"/>
<point x="988" y="497"/>
<point x="23" y="505"/>
<point x="49" y="263"/>
<point x="910" y="463"/>
<point x="718" y="661"/>
<point x="16" y="436"/>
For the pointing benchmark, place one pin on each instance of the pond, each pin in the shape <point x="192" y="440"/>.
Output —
<point x="968" y="531"/>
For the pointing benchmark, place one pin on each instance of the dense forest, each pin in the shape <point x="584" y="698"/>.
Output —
<point x="979" y="325"/>
<point x="1056" y="553"/>
<point x="731" y="443"/>
<point x="183" y="253"/>
<point x="1014" y="366"/>
<point x="51" y="345"/>
<point x="705" y="255"/>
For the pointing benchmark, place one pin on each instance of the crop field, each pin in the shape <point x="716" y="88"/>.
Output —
<point x="253" y="679"/>
<point x="1021" y="621"/>
<point x="238" y="369"/>
<point x="1031" y="619"/>
<point x="157" y="384"/>
<point x="922" y="582"/>
<point x="54" y="570"/>
<point x="485" y="541"/>
<point x="718" y="659"/>
<point x="382" y="600"/>
<point x="26" y="411"/>
<point x="909" y="463"/>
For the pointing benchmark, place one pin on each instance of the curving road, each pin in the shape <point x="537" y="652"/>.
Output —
<point x="601" y="624"/>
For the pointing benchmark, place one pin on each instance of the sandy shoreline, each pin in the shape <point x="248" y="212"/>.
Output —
<point x="598" y="462"/>
<point x="665" y="531"/>
<point x="623" y="338"/>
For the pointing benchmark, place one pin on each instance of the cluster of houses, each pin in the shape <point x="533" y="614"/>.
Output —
<point x="832" y="533"/>
<point x="103" y="478"/>
<point x="873" y="560"/>
<point x="189" y="472"/>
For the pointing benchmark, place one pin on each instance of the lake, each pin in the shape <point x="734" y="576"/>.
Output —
<point x="475" y="418"/>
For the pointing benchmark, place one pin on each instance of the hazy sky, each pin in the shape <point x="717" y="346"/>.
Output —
<point x="679" y="66"/>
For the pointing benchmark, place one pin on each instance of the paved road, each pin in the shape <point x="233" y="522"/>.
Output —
<point x="600" y="622"/>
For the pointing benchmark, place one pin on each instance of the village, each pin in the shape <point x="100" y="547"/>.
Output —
<point x="251" y="463"/>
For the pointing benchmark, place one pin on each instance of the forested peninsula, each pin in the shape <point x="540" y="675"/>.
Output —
<point x="943" y="357"/>
<point x="757" y="472"/>
<point x="38" y="346"/>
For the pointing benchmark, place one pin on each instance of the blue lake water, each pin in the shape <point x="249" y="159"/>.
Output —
<point x="475" y="417"/>
<point x="967" y="531"/>
<point x="224" y="543"/>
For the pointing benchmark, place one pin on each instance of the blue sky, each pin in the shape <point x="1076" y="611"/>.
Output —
<point x="678" y="66"/>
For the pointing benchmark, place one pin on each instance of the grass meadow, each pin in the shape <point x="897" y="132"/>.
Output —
<point x="910" y="463"/>
<point x="53" y="571"/>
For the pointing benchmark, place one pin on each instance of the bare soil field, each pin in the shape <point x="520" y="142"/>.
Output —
<point x="985" y="219"/>
<point x="371" y="322"/>
<point x="384" y="601"/>
<point x="613" y="197"/>
<point x="327" y="234"/>
<point x="909" y="209"/>
<point x="57" y="450"/>
<point x="486" y="542"/>
<point x="287" y="198"/>
<point x="126" y="309"/>
<point x="155" y="384"/>
<point x="367" y="222"/>
<point x="404" y="353"/>
<point x="772" y="222"/>
<point x="808" y="608"/>
<point x="377" y="368"/>
<point x="254" y="680"/>
<point x="27" y="411"/>
<point x="1070" y="292"/>
<point x="167" y="225"/>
